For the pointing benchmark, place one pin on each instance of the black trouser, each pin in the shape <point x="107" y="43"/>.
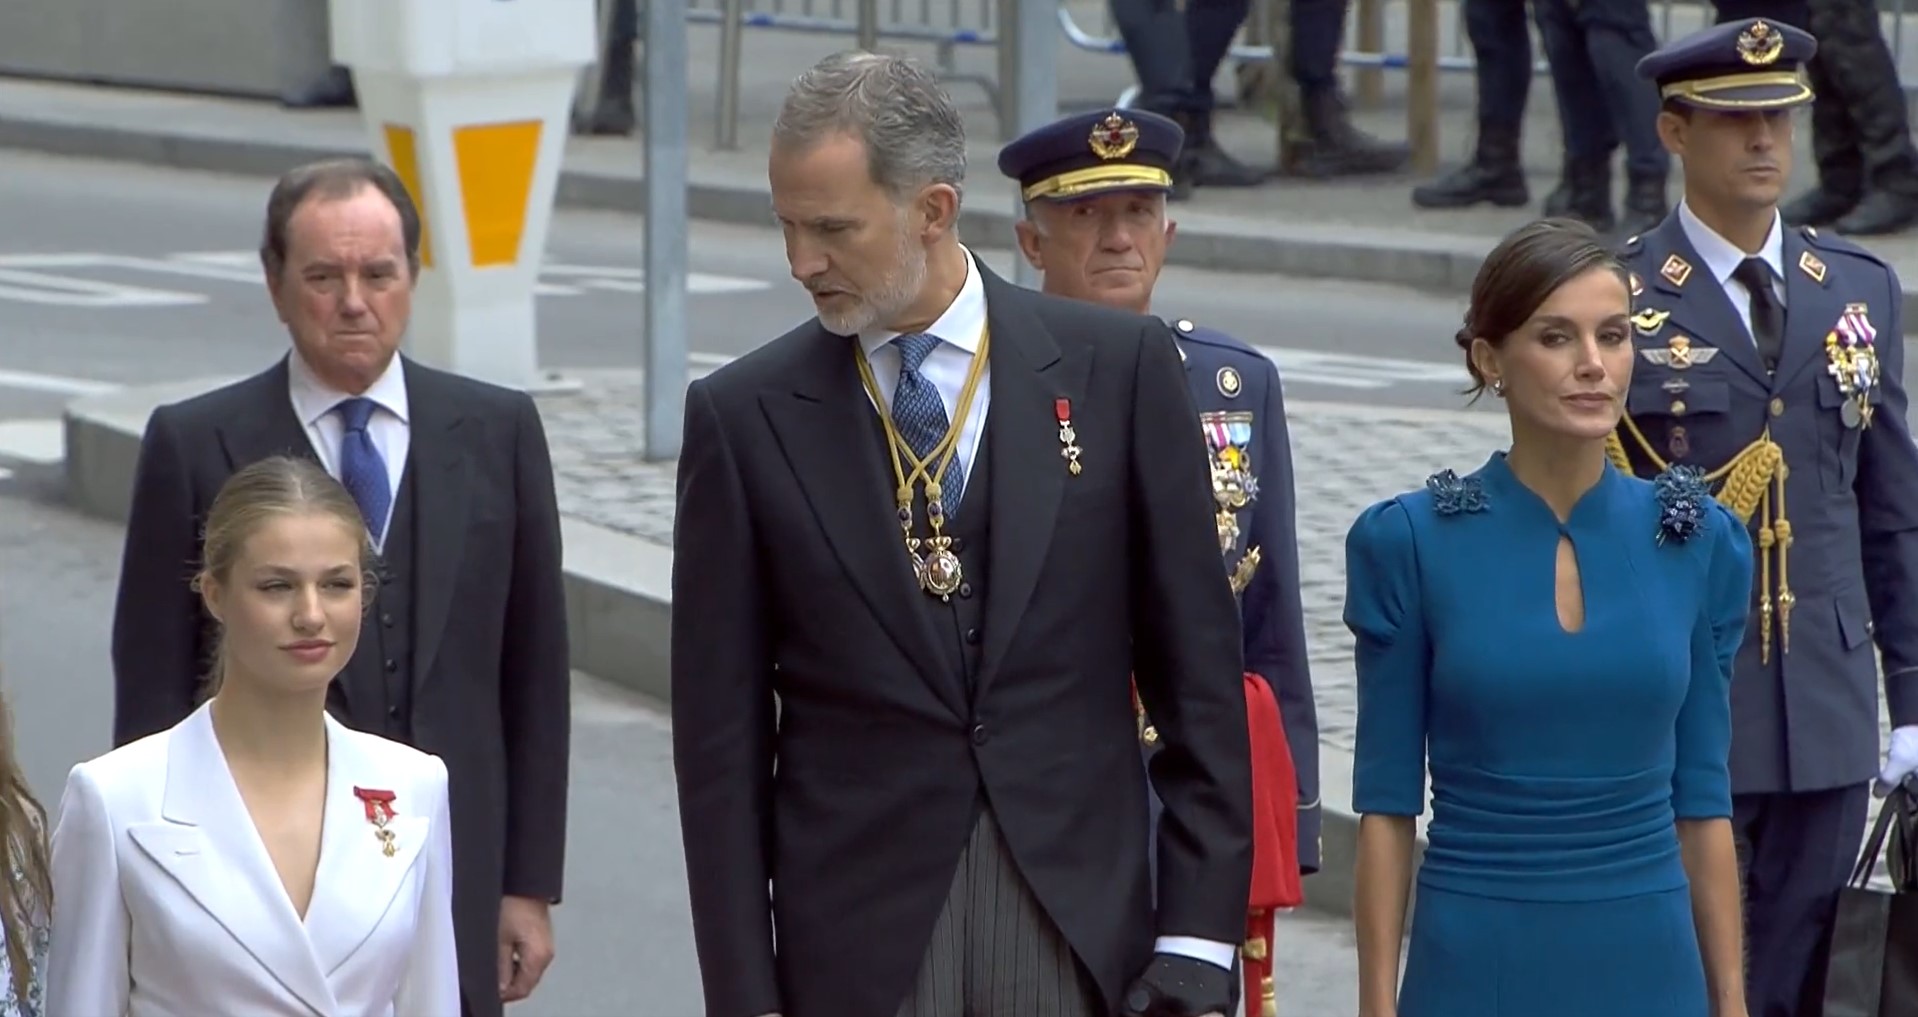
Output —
<point x="1177" y="53"/>
<point x="1501" y="40"/>
<point x="1594" y="47"/>
<point x="1796" y="852"/>
<point x="1859" y="135"/>
<point x="1318" y="28"/>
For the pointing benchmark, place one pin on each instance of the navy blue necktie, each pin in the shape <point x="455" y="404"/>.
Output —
<point x="920" y="414"/>
<point x="362" y="469"/>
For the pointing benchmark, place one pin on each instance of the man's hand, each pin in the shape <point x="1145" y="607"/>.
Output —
<point x="1900" y="762"/>
<point x="525" y="946"/>
<point x="1177" y="986"/>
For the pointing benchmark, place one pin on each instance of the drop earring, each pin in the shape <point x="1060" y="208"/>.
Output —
<point x="1498" y="387"/>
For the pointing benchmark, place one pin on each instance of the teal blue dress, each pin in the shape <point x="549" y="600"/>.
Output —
<point x="1552" y="882"/>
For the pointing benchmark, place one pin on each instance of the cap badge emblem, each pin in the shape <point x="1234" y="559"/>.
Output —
<point x="1760" y="44"/>
<point x="1114" y="137"/>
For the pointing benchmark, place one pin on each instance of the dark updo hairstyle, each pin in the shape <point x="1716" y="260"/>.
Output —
<point x="1521" y="273"/>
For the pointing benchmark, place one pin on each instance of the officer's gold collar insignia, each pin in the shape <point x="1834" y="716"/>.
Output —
<point x="1760" y="45"/>
<point x="1114" y="137"/>
<point x="1638" y="284"/>
<point x="1679" y="354"/>
<point x="1229" y="382"/>
<point x="1649" y="320"/>
<point x="1812" y="267"/>
<point x="1676" y="270"/>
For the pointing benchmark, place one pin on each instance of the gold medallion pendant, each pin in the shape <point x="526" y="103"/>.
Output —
<point x="934" y="564"/>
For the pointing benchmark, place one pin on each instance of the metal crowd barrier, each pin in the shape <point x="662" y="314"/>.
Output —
<point x="947" y="24"/>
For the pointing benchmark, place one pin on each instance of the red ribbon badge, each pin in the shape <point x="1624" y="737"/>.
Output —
<point x="1068" y="438"/>
<point x="379" y="811"/>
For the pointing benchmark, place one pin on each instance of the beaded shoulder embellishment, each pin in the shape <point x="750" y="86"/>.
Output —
<point x="1682" y="494"/>
<point x="1452" y="494"/>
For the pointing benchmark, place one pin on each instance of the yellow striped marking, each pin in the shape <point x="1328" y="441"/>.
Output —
<point x="404" y="150"/>
<point x="496" y="163"/>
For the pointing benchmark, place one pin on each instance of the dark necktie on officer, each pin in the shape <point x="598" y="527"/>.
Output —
<point x="1768" y="318"/>
<point x="920" y="414"/>
<point x="362" y="470"/>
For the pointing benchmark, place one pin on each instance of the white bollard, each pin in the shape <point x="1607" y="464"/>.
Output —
<point x="469" y="101"/>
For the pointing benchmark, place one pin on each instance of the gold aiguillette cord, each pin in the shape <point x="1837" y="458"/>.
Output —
<point x="937" y="568"/>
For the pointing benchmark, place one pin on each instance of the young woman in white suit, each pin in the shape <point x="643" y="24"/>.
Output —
<point x="259" y="858"/>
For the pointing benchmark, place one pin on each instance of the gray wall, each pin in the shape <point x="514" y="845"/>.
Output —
<point x="274" y="49"/>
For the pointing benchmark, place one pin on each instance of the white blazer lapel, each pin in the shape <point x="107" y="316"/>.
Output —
<point x="210" y="845"/>
<point x="358" y="880"/>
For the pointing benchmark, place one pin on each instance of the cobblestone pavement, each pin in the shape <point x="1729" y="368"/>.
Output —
<point x="1346" y="457"/>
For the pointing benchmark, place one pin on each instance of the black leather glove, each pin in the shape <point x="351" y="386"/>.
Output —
<point x="1176" y="986"/>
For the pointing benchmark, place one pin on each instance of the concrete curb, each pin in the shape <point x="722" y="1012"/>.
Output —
<point x="618" y="593"/>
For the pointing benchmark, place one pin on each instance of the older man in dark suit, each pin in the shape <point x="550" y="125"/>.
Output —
<point x="923" y="540"/>
<point x="468" y="659"/>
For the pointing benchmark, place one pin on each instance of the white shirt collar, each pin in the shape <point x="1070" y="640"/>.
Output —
<point x="963" y="324"/>
<point x="313" y="398"/>
<point x="1722" y="256"/>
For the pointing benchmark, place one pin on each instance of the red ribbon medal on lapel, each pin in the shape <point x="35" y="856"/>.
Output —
<point x="379" y="811"/>
<point x="1067" y="437"/>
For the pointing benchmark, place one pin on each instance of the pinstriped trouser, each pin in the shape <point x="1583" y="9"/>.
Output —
<point x="993" y="952"/>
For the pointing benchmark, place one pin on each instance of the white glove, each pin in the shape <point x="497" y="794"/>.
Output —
<point x="1901" y="760"/>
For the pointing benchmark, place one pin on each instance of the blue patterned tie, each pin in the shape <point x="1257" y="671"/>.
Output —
<point x="362" y="469"/>
<point x="920" y="414"/>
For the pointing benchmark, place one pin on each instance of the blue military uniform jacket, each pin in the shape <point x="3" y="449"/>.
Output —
<point x="1237" y="393"/>
<point x="1835" y="532"/>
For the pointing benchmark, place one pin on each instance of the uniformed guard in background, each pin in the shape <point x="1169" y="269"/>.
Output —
<point x="1773" y="360"/>
<point x="1095" y="192"/>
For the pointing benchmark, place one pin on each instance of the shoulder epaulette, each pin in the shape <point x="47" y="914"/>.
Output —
<point x="1211" y="337"/>
<point x="1834" y="243"/>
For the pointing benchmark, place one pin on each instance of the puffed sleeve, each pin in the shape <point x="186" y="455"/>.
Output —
<point x="1384" y="612"/>
<point x="87" y="969"/>
<point x="1701" y="777"/>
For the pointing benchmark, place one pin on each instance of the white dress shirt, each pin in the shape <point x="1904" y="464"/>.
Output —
<point x="166" y="902"/>
<point x="961" y="327"/>
<point x="389" y="427"/>
<point x="1722" y="258"/>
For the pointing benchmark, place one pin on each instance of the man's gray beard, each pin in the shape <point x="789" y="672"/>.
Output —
<point x="892" y="300"/>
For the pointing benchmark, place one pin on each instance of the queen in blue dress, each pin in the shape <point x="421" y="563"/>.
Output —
<point x="1553" y="639"/>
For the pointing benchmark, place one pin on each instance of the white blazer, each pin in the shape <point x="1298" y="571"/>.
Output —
<point x="167" y="905"/>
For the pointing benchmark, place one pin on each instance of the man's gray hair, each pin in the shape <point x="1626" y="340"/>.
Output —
<point x="896" y="106"/>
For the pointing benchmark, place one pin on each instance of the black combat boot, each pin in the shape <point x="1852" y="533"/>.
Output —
<point x="613" y="113"/>
<point x="1493" y="176"/>
<point x="1339" y="149"/>
<point x="1207" y="164"/>
<point x="1645" y="205"/>
<point x="1559" y="202"/>
<point x="1588" y="195"/>
<point x="1860" y="134"/>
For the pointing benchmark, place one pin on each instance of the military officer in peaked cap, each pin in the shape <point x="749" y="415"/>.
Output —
<point x="1773" y="360"/>
<point x="1095" y="189"/>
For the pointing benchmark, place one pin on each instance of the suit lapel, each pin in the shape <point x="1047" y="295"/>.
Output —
<point x="1029" y="375"/>
<point x="208" y="843"/>
<point x="268" y="427"/>
<point x="1698" y="302"/>
<point x="1812" y="307"/>
<point x="439" y="470"/>
<point x="357" y="881"/>
<point x="828" y="430"/>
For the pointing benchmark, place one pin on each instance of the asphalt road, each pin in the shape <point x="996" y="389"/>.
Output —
<point x="122" y="274"/>
<point x="624" y="934"/>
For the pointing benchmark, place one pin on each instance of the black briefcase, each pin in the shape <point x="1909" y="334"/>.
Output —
<point x="1874" y="949"/>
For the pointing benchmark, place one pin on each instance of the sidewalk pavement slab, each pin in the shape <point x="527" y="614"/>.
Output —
<point x="1365" y="228"/>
